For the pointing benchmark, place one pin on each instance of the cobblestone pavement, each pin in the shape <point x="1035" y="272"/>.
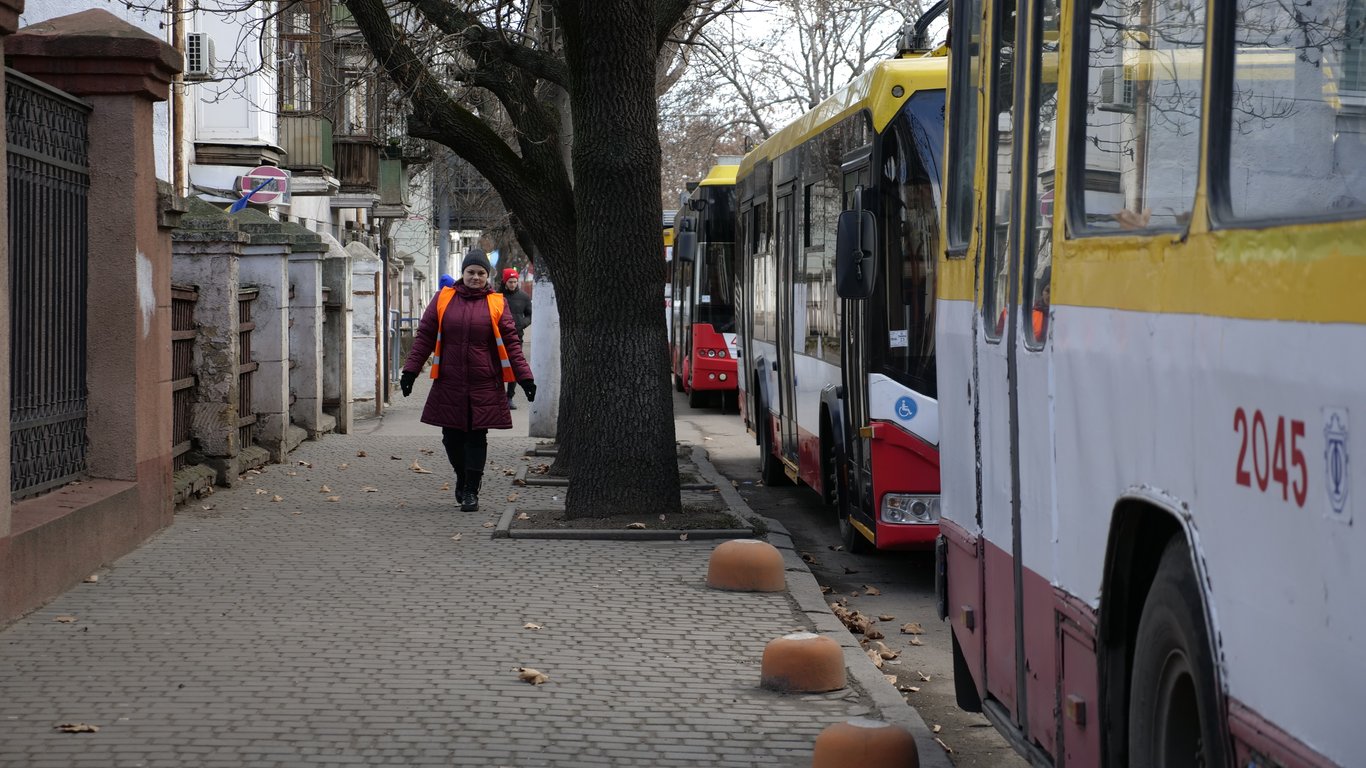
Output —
<point x="304" y="619"/>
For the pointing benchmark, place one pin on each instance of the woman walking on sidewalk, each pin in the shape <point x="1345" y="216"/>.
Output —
<point x="473" y="338"/>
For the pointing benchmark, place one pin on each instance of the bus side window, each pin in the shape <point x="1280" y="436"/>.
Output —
<point x="1295" y="133"/>
<point x="1143" y="88"/>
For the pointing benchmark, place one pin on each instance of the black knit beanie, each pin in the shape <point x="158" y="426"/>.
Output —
<point x="476" y="256"/>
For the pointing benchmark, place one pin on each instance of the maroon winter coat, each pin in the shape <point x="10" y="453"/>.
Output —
<point x="469" y="392"/>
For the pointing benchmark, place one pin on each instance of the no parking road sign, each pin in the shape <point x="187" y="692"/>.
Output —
<point x="275" y="181"/>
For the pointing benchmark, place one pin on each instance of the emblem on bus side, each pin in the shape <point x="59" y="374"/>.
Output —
<point x="905" y="408"/>
<point x="1335" y="462"/>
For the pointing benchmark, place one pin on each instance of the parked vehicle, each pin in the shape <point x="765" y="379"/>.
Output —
<point x="702" y="311"/>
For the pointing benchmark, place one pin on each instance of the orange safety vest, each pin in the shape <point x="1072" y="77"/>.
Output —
<point x="496" y="304"/>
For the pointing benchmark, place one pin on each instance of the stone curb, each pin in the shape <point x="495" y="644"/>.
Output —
<point x="504" y="530"/>
<point x="806" y="593"/>
<point x="539" y="480"/>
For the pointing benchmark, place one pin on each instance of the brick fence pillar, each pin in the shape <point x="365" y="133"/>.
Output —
<point x="9" y="20"/>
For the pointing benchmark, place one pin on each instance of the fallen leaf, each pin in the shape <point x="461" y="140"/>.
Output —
<point x="456" y="537"/>
<point x="661" y="518"/>
<point x="446" y="486"/>
<point x="292" y="473"/>
<point x="884" y="651"/>
<point x="324" y="489"/>
<point x="915" y="641"/>
<point x="909" y="688"/>
<point x="418" y="468"/>
<point x="682" y="537"/>
<point x="343" y="465"/>
<point x="512" y="497"/>
<point x="253" y="471"/>
<point x="261" y="491"/>
<point x="305" y="464"/>
<point x="369" y="489"/>
<point x="519" y="482"/>
<point x="924" y="678"/>
<point x="532" y="625"/>
<point x="941" y="743"/>
<point x="913" y="628"/>
<point x="533" y="676"/>
<point x="207" y="507"/>
<point x="65" y="618"/>
<point x="808" y="558"/>
<point x="298" y="511"/>
<point x="489" y="524"/>
<point x="92" y="578"/>
<point x="426" y="451"/>
<point x="848" y="570"/>
<point x="875" y="658"/>
<point x="885" y="617"/>
<point x="334" y="498"/>
<point x="522" y="515"/>
<point x="890" y="678"/>
<point x="867" y="590"/>
<point x="509" y="472"/>
<point x="937" y="728"/>
<point x="837" y="547"/>
<point x="77" y="728"/>
<point x="277" y="498"/>
<point x="825" y="590"/>
<point x="360" y="454"/>
<point x="396" y="458"/>
<point x="873" y="634"/>
<point x="636" y="526"/>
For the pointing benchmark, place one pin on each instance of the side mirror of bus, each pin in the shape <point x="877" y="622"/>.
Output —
<point x="855" y="263"/>
<point x="685" y="246"/>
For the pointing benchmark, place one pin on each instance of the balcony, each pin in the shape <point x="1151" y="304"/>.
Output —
<point x="307" y="141"/>
<point x="393" y="187"/>
<point x="357" y="164"/>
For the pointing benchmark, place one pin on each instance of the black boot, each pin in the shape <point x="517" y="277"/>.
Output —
<point x="470" y="503"/>
<point x="459" y="487"/>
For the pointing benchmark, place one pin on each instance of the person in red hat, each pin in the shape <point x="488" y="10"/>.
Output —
<point x="519" y="304"/>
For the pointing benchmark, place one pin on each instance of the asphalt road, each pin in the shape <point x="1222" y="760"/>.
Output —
<point x="902" y="584"/>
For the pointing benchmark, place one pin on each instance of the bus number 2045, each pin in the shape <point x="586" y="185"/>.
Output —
<point x="1262" y="457"/>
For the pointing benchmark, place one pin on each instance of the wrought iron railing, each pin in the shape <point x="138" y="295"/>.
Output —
<point x="49" y="182"/>
<point x="183" y="299"/>
<point x="246" y="367"/>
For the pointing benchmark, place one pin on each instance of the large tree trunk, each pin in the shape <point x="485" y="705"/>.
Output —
<point x="622" y="454"/>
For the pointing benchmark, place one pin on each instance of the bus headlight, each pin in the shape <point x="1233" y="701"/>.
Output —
<point x="910" y="510"/>
<point x="711" y="353"/>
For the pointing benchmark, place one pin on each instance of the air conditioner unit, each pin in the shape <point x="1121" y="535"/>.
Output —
<point x="1116" y="90"/>
<point x="199" y="62"/>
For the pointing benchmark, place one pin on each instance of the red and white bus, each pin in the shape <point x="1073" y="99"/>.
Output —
<point x="842" y="394"/>
<point x="702" y="307"/>
<point x="1153" y="350"/>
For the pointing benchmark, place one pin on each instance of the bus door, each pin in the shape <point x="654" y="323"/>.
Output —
<point x="785" y="247"/>
<point x="1015" y="428"/>
<point x="854" y="359"/>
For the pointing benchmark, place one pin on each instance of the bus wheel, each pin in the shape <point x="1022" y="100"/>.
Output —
<point x="678" y="383"/>
<point x="770" y="469"/>
<point x="1174" y="717"/>
<point x="854" y="542"/>
<point x="696" y="399"/>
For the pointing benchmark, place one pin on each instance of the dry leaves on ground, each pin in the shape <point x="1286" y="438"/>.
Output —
<point x="886" y="617"/>
<point x="426" y="451"/>
<point x="915" y="641"/>
<point x="277" y="498"/>
<point x="396" y="458"/>
<point x="873" y="634"/>
<point x="937" y="728"/>
<point x="334" y="498"/>
<point x="532" y="625"/>
<point x="456" y="537"/>
<point x="941" y="743"/>
<point x="325" y="489"/>
<point x="682" y="537"/>
<point x="261" y="491"/>
<point x="92" y="578"/>
<point x="513" y="497"/>
<point x="343" y="465"/>
<point x="890" y="678"/>
<point x="369" y="489"/>
<point x="489" y="524"/>
<point x="521" y="515"/>
<point x="360" y="454"/>
<point x="292" y="473"/>
<point x="884" y="651"/>
<point x="418" y="468"/>
<point x="636" y="526"/>
<point x="912" y="628"/>
<point x="539" y="469"/>
<point x="533" y="676"/>
<point x="908" y="688"/>
<point x="924" y="678"/>
<point x="65" y="618"/>
<point x="446" y="486"/>
<point x="875" y="658"/>
<point x="519" y="482"/>
<point x="77" y="728"/>
<point x="867" y="590"/>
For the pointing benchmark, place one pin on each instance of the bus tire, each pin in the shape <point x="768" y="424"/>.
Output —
<point x="1174" y="713"/>
<point x="696" y="399"/>
<point x="770" y="468"/>
<point x="854" y="542"/>
<point x="964" y="689"/>
<point x="678" y="383"/>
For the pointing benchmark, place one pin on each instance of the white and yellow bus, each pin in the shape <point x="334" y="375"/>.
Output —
<point x="841" y="392"/>
<point x="1152" y="358"/>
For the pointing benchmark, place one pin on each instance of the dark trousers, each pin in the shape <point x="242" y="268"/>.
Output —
<point x="468" y="451"/>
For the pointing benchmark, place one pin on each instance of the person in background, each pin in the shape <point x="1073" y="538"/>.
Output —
<point x="520" y="306"/>
<point x="470" y="332"/>
<point x="446" y="281"/>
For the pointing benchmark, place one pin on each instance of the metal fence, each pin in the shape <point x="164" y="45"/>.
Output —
<point x="183" y="299"/>
<point x="49" y="182"/>
<point x="246" y="367"/>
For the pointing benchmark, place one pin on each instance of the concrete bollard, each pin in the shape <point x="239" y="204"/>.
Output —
<point x="802" y="662"/>
<point x="746" y="565"/>
<point x="865" y="743"/>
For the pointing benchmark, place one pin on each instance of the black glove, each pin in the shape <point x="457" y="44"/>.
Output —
<point x="405" y="382"/>
<point x="529" y="387"/>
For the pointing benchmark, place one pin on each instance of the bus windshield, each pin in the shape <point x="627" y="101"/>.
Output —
<point x="717" y="284"/>
<point x="912" y="152"/>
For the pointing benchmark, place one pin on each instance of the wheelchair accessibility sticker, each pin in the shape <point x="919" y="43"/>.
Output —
<point x="905" y="408"/>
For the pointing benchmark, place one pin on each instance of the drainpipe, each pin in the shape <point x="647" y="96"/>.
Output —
<point x="179" y="178"/>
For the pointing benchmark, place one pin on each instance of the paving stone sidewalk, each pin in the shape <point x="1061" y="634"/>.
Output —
<point x="272" y="626"/>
